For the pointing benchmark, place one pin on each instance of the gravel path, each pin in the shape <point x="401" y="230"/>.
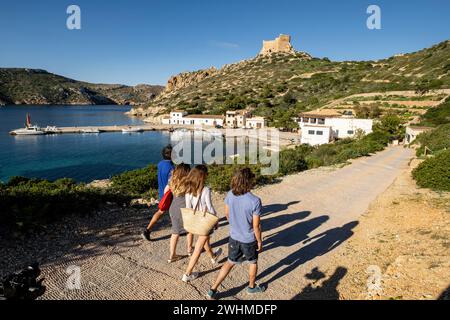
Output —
<point x="306" y="217"/>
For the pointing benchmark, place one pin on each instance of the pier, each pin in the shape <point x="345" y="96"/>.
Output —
<point x="101" y="129"/>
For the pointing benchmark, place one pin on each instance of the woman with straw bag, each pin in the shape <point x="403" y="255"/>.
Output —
<point x="199" y="216"/>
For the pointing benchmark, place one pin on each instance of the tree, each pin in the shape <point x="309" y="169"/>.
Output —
<point x="390" y="124"/>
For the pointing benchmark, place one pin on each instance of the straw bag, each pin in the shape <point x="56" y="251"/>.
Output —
<point x="198" y="223"/>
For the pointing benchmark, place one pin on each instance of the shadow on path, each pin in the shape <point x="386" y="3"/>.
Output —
<point x="324" y="243"/>
<point x="327" y="290"/>
<point x="294" y="234"/>
<point x="271" y="222"/>
<point x="278" y="207"/>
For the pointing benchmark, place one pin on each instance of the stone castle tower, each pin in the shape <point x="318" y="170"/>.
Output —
<point x="280" y="44"/>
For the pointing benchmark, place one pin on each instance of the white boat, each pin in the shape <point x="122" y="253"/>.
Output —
<point x="132" y="130"/>
<point x="52" y="129"/>
<point x="91" y="130"/>
<point x="28" y="131"/>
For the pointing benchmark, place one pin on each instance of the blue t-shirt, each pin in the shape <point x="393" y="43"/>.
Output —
<point x="242" y="209"/>
<point x="165" y="168"/>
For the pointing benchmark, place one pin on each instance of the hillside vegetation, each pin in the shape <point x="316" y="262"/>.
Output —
<point x="32" y="86"/>
<point x="434" y="172"/>
<point x="281" y="85"/>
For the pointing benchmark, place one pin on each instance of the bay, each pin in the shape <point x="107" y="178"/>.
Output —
<point x="83" y="157"/>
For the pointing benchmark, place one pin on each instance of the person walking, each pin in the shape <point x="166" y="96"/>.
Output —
<point x="177" y="184"/>
<point x="199" y="194"/>
<point x="165" y="168"/>
<point x="243" y="211"/>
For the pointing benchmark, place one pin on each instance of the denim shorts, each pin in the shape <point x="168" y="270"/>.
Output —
<point x="239" y="252"/>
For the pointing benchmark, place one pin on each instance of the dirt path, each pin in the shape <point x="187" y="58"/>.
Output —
<point x="306" y="217"/>
<point x="403" y="239"/>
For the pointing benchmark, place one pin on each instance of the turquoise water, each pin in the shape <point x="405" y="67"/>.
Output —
<point x="83" y="157"/>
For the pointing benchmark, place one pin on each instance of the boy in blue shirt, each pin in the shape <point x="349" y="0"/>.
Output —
<point x="165" y="168"/>
<point x="243" y="211"/>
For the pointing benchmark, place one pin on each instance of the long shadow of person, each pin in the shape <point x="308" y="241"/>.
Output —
<point x="294" y="234"/>
<point x="326" y="291"/>
<point x="324" y="243"/>
<point x="278" y="207"/>
<point x="268" y="224"/>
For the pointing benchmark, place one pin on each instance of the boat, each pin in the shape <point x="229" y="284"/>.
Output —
<point x="29" y="130"/>
<point x="132" y="130"/>
<point x="91" y="130"/>
<point x="52" y="130"/>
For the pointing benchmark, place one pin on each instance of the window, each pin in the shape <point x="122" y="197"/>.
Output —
<point x="350" y="132"/>
<point x="311" y="132"/>
<point x="313" y="120"/>
<point x="321" y="121"/>
<point x="319" y="133"/>
<point x="306" y="120"/>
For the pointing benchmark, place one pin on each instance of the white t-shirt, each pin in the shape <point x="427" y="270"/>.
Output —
<point x="205" y="201"/>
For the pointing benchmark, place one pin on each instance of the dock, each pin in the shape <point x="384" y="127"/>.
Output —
<point x="101" y="129"/>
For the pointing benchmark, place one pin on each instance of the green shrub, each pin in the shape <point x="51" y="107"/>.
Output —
<point x="291" y="161"/>
<point x="29" y="203"/>
<point x="436" y="140"/>
<point x="437" y="116"/>
<point x="434" y="173"/>
<point x="136" y="182"/>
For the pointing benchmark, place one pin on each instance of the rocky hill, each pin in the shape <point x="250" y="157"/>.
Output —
<point x="34" y="86"/>
<point x="279" y="85"/>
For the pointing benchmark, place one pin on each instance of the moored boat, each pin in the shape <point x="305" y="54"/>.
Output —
<point x="132" y="130"/>
<point x="91" y="130"/>
<point x="52" y="130"/>
<point x="29" y="130"/>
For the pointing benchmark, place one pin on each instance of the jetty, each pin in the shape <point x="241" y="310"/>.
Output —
<point x="100" y="129"/>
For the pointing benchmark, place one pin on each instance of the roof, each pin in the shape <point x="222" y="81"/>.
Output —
<point x="323" y="113"/>
<point x="256" y="119"/>
<point x="238" y="112"/>
<point x="204" y="116"/>
<point x="313" y="126"/>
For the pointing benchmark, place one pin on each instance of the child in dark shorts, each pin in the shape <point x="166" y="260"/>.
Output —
<point x="243" y="210"/>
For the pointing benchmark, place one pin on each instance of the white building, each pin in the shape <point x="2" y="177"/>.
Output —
<point x="413" y="131"/>
<point x="204" y="120"/>
<point x="177" y="117"/>
<point x="316" y="135"/>
<point x="341" y="126"/>
<point x="256" y="123"/>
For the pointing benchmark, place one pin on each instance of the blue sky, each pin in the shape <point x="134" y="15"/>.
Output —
<point x="134" y="41"/>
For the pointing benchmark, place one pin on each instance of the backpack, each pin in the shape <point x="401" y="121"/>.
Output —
<point x="22" y="285"/>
